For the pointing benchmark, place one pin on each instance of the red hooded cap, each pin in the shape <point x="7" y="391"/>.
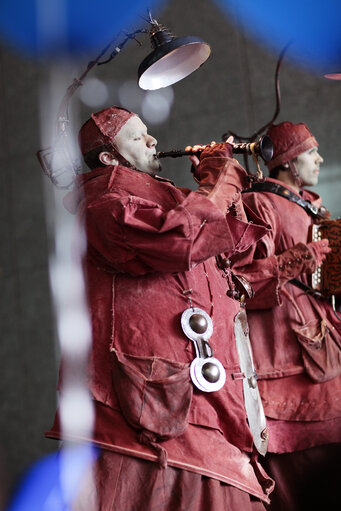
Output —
<point x="102" y="128"/>
<point x="289" y="140"/>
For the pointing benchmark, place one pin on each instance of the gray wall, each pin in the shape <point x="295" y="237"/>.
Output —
<point x="233" y="90"/>
<point x="26" y="348"/>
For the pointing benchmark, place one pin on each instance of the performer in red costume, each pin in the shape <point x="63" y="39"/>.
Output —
<point x="173" y="433"/>
<point x="296" y="337"/>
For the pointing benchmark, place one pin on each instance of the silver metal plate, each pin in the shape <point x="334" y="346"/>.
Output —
<point x="185" y="323"/>
<point x="253" y="404"/>
<point x="198" y="378"/>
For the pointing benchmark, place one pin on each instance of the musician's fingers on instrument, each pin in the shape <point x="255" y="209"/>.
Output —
<point x="230" y="140"/>
<point x="195" y="148"/>
<point x="325" y="245"/>
<point x="194" y="159"/>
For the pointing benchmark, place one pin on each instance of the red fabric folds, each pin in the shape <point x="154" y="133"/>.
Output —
<point x="151" y="255"/>
<point x="295" y="337"/>
<point x="123" y="483"/>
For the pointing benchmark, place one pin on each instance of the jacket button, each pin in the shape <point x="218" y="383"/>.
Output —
<point x="265" y="434"/>
<point x="225" y="263"/>
<point x="210" y="372"/>
<point x="198" y="323"/>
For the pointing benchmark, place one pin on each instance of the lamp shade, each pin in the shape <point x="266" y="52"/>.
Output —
<point x="172" y="61"/>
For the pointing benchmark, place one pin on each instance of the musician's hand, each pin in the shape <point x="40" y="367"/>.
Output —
<point x="222" y="178"/>
<point x="194" y="160"/>
<point x="195" y="148"/>
<point x="319" y="249"/>
<point x="294" y="261"/>
<point x="200" y="148"/>
<point x="301" y="258"/>
<point x="214" y="150"/>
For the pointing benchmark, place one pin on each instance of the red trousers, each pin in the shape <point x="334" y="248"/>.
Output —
<point x="124" y="483"/>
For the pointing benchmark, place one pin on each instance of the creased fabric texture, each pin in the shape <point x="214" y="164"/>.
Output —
<point x="156" y="489"/>
<point x="231" y="178"/>
<point x="149" y="245"/>
<point x="295" y="338"/>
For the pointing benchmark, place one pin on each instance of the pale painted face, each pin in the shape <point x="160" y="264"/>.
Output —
<point x="308" y="166"/>
<point x="137" y="146"/>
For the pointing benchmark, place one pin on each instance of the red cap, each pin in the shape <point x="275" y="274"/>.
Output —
<point x="289" y="140"/>
<point x="102" y="128"/>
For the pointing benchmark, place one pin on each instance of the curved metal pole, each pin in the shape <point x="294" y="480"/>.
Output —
<point x="62" y="115"/>
<point x="278" y="104"/>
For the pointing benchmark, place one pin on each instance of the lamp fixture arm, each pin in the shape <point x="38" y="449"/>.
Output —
<point x="62" y="128"/>
<point x="277" y="108"/>
<point x="62" y="116"/>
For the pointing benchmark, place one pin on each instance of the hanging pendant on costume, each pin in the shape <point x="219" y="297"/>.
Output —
<point x="253" y="403"/>
<point x="207" y="373"/>
<point x="240" y="289"/>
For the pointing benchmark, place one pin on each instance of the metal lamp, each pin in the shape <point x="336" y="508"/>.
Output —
<point x="172" y="59"/>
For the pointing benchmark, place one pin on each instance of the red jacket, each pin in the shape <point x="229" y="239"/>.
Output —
<point x="148" y="243"/>
<point x="286" y="327"/>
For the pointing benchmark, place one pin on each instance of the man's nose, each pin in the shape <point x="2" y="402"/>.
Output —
<point x="151" y="141"/>
<point x="319" y="158"/>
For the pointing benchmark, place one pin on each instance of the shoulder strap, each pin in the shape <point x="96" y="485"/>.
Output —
<point x="308" y="289"/>
<point x="276" y="188"/>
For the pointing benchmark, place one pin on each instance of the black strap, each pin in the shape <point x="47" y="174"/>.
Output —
<point x="276" y="188"/>
<point x="308" y="289"/>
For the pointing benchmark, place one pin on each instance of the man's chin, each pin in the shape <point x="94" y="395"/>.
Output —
<point x="156" y="168"/>
<point x="152" y="170"/>
<point x="312" y="182"/>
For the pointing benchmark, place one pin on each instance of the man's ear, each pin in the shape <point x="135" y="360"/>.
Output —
<point x="107" y="158"/>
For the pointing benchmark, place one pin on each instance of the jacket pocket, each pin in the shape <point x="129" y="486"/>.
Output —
<point x="154" y="395"/>
<point x="321" y="354"/>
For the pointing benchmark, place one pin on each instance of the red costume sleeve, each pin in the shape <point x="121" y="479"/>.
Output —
<point x="259" y="263"/>
<point x="138" y="236"/>
<point x="268" y="265"/>
<point x="137" y="224"/>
